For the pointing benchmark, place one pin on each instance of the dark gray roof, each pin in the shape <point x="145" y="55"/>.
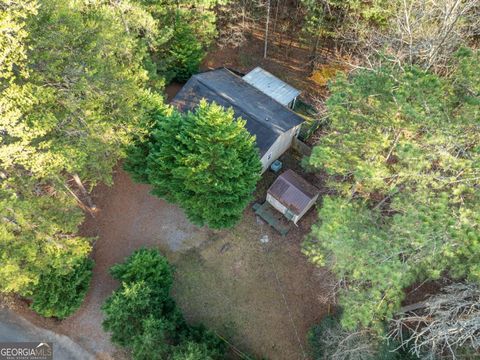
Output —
<point x="271" y="85"/>
<point x="293" y="191"/>
<point x="266" y="118"/>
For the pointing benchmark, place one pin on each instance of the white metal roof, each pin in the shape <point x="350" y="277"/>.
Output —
<point x="271" y="85"/>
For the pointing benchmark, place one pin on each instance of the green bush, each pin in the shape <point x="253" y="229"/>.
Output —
<point x="142" y="316"/>
<point x="151" y="342"/>
<point x="60" y="293"/>
<point x="148" y="266"/>
<point x="126" y="309"/>
<point x="206" y="339"/>
<point x="192" y="351"/>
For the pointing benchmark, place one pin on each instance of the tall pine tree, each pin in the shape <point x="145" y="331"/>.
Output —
<point x="205" y="161"/>
<point x="72" y="90"/>
<point x="403" y="155"/>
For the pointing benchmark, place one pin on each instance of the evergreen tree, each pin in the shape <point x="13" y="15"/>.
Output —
<point x="205" y="161"/>
<point x="142" y="316"/>
<point x="60" y="294"/>
<point x="185" y="29"/>
<point x="403" y="156"/>
<point x="192" y="351"/>
<point x="72" y="92"/>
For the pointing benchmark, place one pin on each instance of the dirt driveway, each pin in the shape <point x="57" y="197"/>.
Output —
<point x="263" y="298"/>
<point x="128" y="218"/>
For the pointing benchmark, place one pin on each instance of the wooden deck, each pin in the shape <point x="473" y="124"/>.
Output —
<point x="272" y="217"/>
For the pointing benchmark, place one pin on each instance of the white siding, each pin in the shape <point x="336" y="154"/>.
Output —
<point x="310" y="204"/>
<point x="276" y="204"/>
<point x="281" y="145"/>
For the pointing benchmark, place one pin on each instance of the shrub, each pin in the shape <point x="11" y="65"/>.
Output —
<point x="142" y="316"/>
<point x="151" y="343"/>
<point x="192" y="351"/>
<point x="60" y="293"/>
<point x="125" y="311"/>
<point x="148" y="266"/>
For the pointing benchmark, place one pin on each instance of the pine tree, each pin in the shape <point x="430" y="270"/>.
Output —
<point x="205" y="161"/>
<point x="72" y="92"/>
<point x="403" y="157"/>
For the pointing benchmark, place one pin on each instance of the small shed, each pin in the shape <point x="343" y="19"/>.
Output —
<point x="272" y="86"/>
<point x="292" y="195"/>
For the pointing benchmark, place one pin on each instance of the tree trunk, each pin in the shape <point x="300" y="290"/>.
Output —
<point x="313" y="54"/>
<point x="84" y="192"/>
<point x="276" y="17"/>
<point x="266" y="31"/>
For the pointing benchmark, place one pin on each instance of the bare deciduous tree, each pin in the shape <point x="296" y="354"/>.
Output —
<point x="429" y="31"/>
<point x="423" y="32"/>
<point x="340" y="344"/>
<point x="443" y="324"/>
<point x="232" y="23"/>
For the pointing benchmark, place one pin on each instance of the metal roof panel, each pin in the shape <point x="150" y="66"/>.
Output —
<point x="293" y="191"/>
<point x="272" y="86"/>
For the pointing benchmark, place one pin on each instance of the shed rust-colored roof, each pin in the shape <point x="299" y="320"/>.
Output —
<point x="293" y="191"/>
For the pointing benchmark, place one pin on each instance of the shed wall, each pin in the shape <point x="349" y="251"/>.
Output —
<point x="310" y="204"/>
<point x="276" y="204"/>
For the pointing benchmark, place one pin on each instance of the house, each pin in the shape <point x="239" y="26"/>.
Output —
<point x="292" y="195"/>
<point x="262" y="103"/>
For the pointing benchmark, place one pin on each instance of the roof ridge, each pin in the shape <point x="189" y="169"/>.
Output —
<point x="309" y="187"/>
<point x="253" y="117"/>
<point x="261" y="92"/>
<point x="254" y="89"/>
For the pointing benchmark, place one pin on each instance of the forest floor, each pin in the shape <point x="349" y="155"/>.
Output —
<point x="285" y="59"/>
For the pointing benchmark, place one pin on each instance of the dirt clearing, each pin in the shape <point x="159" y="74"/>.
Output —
<point x="262" y="297"/>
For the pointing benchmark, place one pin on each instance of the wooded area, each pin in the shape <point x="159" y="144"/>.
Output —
<point x="396" y="138"/>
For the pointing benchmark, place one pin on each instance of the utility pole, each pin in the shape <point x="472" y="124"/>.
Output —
<point x="266" y="30"/>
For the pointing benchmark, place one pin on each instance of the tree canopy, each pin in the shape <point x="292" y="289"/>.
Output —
<point x="205" y="161"/>
<point x="72" y="91"/>
<point x="403" y="155"/>
<point x="59" y="294"/>
<point x="77" y="79"/>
